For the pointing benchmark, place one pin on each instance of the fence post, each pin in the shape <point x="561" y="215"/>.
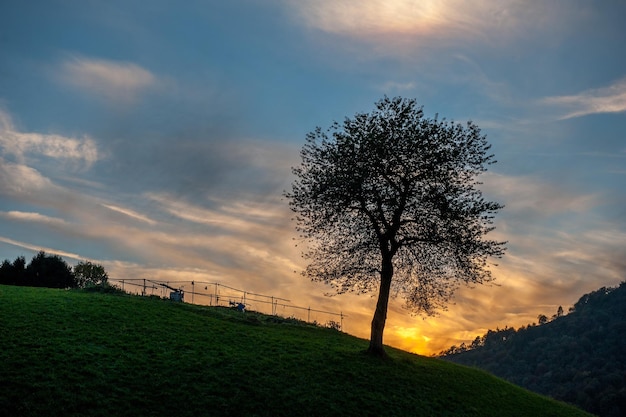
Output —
<point x="309" y="315"/>
<point x="144" y="287"/>
<point x="192" y="290"/>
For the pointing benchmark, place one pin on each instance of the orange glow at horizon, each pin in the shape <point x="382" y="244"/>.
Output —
<point x="515" y="301"/>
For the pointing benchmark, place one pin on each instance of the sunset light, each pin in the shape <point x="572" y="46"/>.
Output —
<point x="158" y="139"/>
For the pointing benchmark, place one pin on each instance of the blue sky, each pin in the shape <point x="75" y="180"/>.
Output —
<point x="157" y="137"/>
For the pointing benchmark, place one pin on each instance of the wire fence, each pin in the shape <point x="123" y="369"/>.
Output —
<point x="217" y="294"/>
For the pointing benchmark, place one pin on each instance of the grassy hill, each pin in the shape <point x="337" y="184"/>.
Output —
<point x="65" y="353"/>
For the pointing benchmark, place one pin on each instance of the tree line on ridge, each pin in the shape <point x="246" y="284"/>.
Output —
<point x="579" y="358"/>
<point x="51" y="271"/>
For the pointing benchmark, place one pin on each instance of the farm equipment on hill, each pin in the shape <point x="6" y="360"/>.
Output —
<point x="177" y="294"/>
<point x="239" y="306"/>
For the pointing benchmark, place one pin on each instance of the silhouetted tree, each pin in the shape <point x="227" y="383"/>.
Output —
<point x="87" y="273"/>
<point x="542" y="319"/>
<point x="49" y="271"/>
<point x="478" y="342"/>
<point x="13" y="273"/>
<point x="389" y="201"/>
<point x="6" y="273"/>
<point x="19" y="269"/>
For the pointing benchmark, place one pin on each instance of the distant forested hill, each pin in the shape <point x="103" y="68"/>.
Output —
<point x="579" y="358"/>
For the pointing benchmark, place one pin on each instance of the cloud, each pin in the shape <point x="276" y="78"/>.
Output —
<point x="236" y="216"/>
<point x="243" y="231"/>
<point x="611" y="99"/>
<point x="203" y="164"/>
<point x="383" y="16"/>
<point x="424" y="21"/>
<point x="116" y="81"/>
<point x="32" y="217"/>
<point x="21" y="180"/>
<point x="22" y="145"/>
<point x="36" y="248"/>
<point x="130" y="213"/>
<point x="523" y="194"/>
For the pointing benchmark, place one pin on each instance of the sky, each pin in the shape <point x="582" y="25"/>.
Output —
<point x="157" y="138"/>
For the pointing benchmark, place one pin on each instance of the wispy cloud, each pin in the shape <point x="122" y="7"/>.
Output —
<point x="611" y="99"/>
<point x="534" y="195"/>
<point x="32" y="217"/>
<point x="117" y="81"/>
<point x="233" y="216"/>
<point x="130" y="213"/>
<point x="36" y="248"/>
<point x="424" y="21"/>
<point x="21" y="180"/>
<point x="22" y="145"/>
<point x="381" y="16"/>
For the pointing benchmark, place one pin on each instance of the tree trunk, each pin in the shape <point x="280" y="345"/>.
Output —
<point x="380" y="315"/>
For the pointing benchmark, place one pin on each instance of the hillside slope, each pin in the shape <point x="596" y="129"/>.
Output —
<point x="69" y="353"/>
<point x="579" y="358"/>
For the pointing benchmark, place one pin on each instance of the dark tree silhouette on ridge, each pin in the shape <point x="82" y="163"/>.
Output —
<point x="389" y="201"/>
<point x="49" y="271"/>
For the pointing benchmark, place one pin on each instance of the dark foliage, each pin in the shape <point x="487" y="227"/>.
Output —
<point x="388" y="201"/>
<point x="105" y="288"/>
<point x="13" y="273"/>
<point x="579" y="358"/>
<point x="88" y="274"/>
<point x="49" y="271"/>
<point x="43" y="271"/>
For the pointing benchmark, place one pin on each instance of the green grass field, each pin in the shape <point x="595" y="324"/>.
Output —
<point x="71" y="353"/>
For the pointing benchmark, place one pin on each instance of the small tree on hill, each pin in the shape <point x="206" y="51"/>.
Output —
<point x="90" y="274"/>
<point x="542" y="319"/>
<point x="389" y="201"/>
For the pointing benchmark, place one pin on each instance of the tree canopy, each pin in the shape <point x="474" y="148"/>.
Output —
<point x="388" y="200"/>
<point x="88" y="274"/>
<point x="49" y="271"/>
